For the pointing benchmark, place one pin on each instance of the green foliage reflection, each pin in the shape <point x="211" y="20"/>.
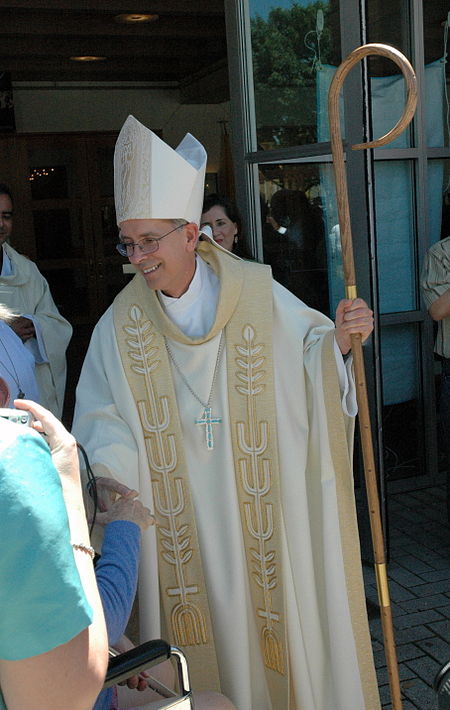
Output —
<point x="289" y="47"/>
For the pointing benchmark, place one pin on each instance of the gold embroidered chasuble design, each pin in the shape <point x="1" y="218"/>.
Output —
<point x="245" y="289"/>
<point x="184" y="600"/>
<point x="256" y="477"/>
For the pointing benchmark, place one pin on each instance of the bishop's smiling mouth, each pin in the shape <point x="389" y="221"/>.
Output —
<point x="151" y="269"/>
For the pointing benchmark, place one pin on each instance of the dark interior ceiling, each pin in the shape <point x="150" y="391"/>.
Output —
<point x="185" y="46"/>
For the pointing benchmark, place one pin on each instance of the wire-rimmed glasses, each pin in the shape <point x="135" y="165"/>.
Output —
<point x="148" y="245"/>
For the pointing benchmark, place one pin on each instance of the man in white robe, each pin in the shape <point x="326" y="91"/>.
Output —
<point x="38" y="323"/>
<point x="219" y="396"/>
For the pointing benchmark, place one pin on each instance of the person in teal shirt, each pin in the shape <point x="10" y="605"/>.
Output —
<point x="52" y="626"/>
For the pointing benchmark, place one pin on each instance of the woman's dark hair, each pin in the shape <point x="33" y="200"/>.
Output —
<point x="4" y="190"/>
<point x="230" y="209"/>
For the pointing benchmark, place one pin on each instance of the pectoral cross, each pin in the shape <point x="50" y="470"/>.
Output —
<point x="207" y="420"/>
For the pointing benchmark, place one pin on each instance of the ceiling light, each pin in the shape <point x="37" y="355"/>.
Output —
<point x="136" y="17"/>
<point x="87" y="58"/>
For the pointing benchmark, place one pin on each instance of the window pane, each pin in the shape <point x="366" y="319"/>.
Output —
<point x="48" y="182"/>
<point x="52" y="172"/>
<point x="389" y="23"/>
<point x="438" y="199"/>
<point x="403" y="424"/>
<point x="437" y="71"/>
<point x="395" y="236"/>
<point x="292" y="46"/>
<point x="300" y="239"/>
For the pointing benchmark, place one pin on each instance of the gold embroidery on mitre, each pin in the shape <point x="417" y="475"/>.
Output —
<point x="256" y="477"/>
<point x="187" y="620"/>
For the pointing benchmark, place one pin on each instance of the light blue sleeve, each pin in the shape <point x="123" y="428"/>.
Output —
<point x="42" y="602"/>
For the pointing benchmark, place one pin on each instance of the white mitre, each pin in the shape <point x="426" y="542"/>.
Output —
<point x="154" y="181"/>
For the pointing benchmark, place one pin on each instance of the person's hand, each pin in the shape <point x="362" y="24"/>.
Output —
<point x="352" y="316"/>
<point x="118" y="502"/>
<point x="23" y="327"/>
<point x="138" y="681"/>
<point x="62" y="444"/>
<point x="273" y="223"/>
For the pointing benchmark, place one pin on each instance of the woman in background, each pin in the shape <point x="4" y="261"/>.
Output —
<point x="222" y="217"/>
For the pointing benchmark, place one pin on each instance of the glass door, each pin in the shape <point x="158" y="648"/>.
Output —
<point x="282" y="59"/>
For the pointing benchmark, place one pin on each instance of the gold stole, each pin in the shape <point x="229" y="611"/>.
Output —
<point x="245" y="311"/>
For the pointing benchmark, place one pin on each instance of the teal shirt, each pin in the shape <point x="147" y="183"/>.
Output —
<point x="42" y="602"/>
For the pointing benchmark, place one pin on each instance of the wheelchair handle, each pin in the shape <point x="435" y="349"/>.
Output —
<point x="135" y="660"/>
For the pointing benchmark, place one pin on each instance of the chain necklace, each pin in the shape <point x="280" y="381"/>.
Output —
<point x="207" y="419"/>
<point x="20" y="394"/>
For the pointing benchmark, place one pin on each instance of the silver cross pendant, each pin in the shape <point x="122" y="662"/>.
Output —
<point x="207" y="420"/>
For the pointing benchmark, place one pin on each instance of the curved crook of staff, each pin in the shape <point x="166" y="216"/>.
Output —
<point x="350" y="289"/>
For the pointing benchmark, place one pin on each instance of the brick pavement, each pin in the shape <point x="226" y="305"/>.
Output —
<point x="419" y="585"/>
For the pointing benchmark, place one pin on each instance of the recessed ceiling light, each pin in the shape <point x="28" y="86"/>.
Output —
<point x="136" y="17"/>
<point x="87" y="58"/>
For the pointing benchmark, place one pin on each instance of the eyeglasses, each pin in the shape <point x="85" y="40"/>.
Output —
<point x="147" y="246"/>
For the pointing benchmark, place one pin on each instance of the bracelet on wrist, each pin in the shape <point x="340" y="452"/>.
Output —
<point x="84" y="548"/>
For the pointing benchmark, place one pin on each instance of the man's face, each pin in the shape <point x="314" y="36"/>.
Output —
<point x="6" y="219"/>
<point x="171" y="268"/>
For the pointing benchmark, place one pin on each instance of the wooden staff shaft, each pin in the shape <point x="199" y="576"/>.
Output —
<point x="358" y="359"/>
<point x="375" y="523"/>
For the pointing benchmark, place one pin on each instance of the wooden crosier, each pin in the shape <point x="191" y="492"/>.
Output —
<point x="350" y="290"/>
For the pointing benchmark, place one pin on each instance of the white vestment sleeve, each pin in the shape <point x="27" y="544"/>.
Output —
<point x="105" y="434"/>
<point x="346" y="382"/>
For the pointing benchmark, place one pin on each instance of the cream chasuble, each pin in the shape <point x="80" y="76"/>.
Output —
<point x="263" y="527"/>
<point x="252" y="415"/>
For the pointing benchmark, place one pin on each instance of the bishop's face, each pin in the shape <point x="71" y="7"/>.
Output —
<point x="172" y="266"/>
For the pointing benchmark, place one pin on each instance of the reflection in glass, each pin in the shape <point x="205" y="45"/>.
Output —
<point x="291" y="43"/>
<point x="48" y="182"/>
<point x="403" y="424"/>
<point x="388" y="97"/>
<point x="296" y="240"/>
<point x="52" y="172"/>
<point x="437" y="71"/>
<point x="439" y="199"/>
<point x="388" y="23"/>
<point x="440" y="221"/>
<point x="395" y="235"/>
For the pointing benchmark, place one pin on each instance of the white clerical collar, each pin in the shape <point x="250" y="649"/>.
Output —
<point x="194" y="312"/>
<point x="6" y="266"/>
